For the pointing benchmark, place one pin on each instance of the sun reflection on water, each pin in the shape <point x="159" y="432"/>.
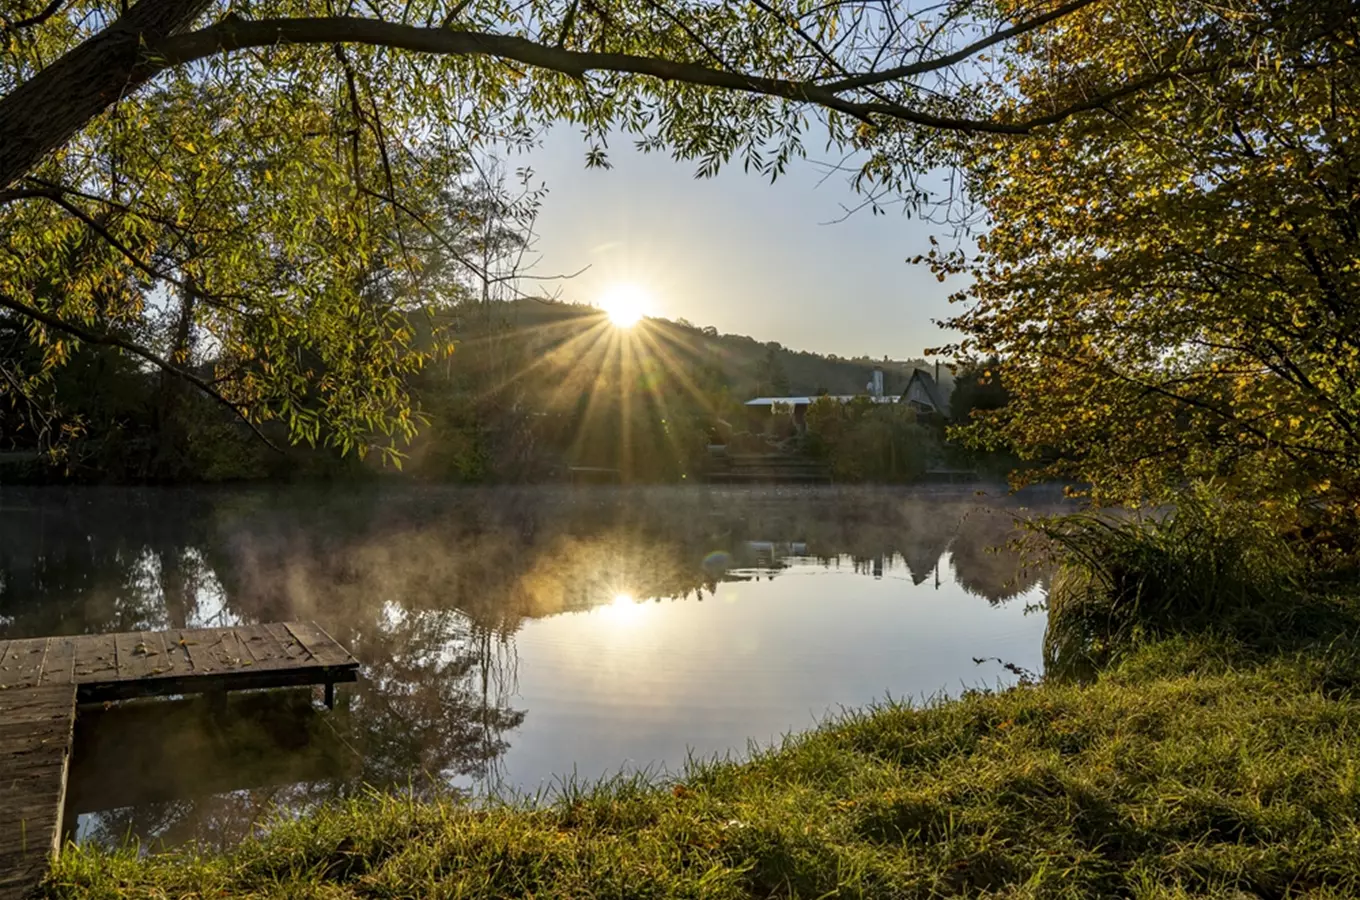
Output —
<point x="624" y="609"/>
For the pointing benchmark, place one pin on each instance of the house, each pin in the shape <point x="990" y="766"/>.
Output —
<point x="924" y="395"/>
<point x="798" y="406"/>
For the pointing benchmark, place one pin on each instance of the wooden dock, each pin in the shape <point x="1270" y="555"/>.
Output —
<point x="43" y="679"/>
<point x="35" y="742"/>
<point x="151" y="663"/>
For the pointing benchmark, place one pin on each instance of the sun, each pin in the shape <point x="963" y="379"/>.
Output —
<point x="625" y="304"/>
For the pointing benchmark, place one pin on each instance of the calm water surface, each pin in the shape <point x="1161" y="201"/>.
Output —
<point x="509" y="638"/>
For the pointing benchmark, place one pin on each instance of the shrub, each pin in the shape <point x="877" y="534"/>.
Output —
<point x="1209" y="564"/>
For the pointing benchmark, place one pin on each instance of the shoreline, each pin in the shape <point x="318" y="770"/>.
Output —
<point x="1195" y="767"/>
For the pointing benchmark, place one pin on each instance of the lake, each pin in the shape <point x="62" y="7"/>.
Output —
<point x="511" y="639"/>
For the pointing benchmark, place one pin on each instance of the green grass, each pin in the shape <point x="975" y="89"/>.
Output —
<point x="1210" y="563"/>
<point x="1195" y="767"/>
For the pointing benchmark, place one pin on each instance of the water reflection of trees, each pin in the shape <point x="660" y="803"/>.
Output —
<point x="74" y="561"/>
<point x="987" y="552"/>
<point x="991" y="558"/>
<point x="427" y="587"/>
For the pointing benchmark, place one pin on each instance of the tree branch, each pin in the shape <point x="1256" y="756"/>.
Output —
<point x="108" y="340"/>
<point x="42" y="16"/>
<point x="227" y="36"/>
<point x="22" y="194"/>
<point x="454" y="13"/>
<point x="46" y="110"/>
<point x="958" y="56"/>
<point x="103" y="232"/>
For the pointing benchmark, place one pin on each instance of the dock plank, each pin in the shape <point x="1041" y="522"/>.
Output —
<point x="171" y="661"/>
<point x="319" y="644"/>
<point x="236" y="658"/>
<point x="183" y="651"/>
<point x="59" y="661"/>
<point x="140" y="655"/>
<point x="124" y="650"/>
<point x="264" y="646"/>
<point x="42" y="680"/>
<point x="147" y="663"/>
<point x="35" y="744"/>
<point x="96" y="657"/>
<point x="286" y="640"/>
<point x="219" y="650"/>
<point x="23" y="663"/>
<point x="8" y="657"/>
<point x="302" y="641"/>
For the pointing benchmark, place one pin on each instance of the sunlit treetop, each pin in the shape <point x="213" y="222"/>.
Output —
<point x="1171" y="289"/>
<point x="274" y="174"/>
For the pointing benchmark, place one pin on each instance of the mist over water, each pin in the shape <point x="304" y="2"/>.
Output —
<point x="509" y="637"/>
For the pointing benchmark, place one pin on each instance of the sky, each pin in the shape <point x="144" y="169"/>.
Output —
<point x="737" y="252"/>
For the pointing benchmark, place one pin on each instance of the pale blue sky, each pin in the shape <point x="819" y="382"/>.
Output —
<point x="737" y="252"/>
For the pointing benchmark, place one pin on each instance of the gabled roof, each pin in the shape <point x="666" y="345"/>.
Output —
<point x="931" y="388"/>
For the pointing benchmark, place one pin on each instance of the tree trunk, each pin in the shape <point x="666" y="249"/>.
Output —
<point x="50" y="108"/>
<point x="171" y="434"/>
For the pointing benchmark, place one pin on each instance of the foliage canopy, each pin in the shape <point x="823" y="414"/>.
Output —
<point x="1172" y="286"/>
<point x="266" y="174"/>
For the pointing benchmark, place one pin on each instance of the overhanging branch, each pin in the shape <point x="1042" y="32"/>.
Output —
<point x="235" y="34"/>
<point x="90" y="337"/>
<point x="45" y="111"/>
<point x="958" y="56"/>
<point x="51" y="9"/>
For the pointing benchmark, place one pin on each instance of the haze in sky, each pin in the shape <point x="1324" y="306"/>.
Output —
<point x="738" y="252"/>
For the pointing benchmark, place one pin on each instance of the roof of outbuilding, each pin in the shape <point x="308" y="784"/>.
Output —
<point x="932" y="389"/>
<point x="796" y="401"/>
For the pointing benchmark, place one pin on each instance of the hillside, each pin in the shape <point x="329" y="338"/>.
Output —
<point x="739" y="361"/>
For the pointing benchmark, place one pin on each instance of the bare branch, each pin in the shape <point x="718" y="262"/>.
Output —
<point x="458" y="257"/>
<point x="353" y="92"/>
<point x="567" y="22"/>
<point x="805" y="37"/>
<point x="454" y="13"/>
<point x="689" y="33"/>
<point x="958" y="56"/>
<point x="563" y="276"/>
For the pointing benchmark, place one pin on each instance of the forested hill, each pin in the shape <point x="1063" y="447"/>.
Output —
<point x="530" y="389"/>
<point x="747" y="365"/>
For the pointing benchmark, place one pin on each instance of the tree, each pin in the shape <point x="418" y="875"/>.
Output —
<point x="866" y="441"/>
<point x="770" y="374"/>
<point x="978" y="386"/>
<point x="261" y="159"/>
<point x="1171" y="285"/>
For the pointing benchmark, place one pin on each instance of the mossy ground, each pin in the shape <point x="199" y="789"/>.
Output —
<point x="1192" y="768"/>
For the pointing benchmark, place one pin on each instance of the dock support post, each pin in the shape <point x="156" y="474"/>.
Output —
<point x="330" y="695"/>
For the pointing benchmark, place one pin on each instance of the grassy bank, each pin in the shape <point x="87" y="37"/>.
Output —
<point x="1193" y="767"/>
